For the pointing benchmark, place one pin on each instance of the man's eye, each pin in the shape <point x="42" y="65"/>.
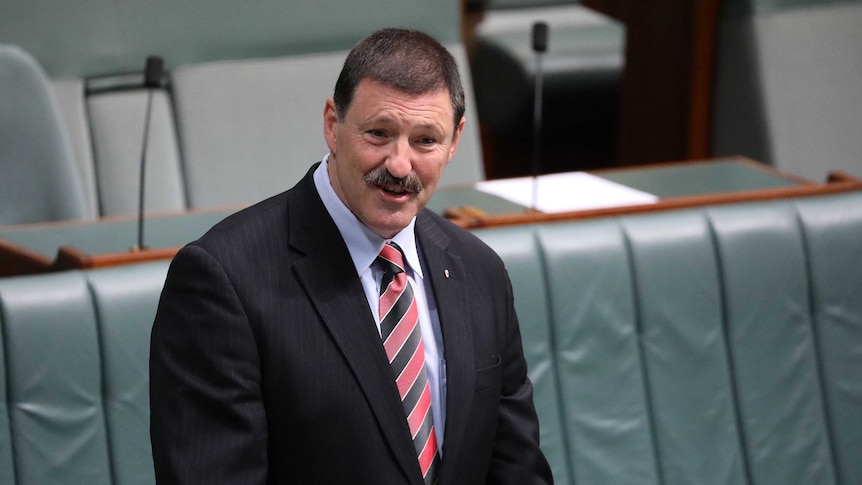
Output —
<point x="427" y="140"/>
<point x="377" y="133"/>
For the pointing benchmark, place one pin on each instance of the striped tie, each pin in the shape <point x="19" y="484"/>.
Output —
<point x="402" y="339"/>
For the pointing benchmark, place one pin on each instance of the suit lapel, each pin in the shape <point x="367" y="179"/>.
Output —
<point x="448" y="280"/>
<point x="329" y="278"/>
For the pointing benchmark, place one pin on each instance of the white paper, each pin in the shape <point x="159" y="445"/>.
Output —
<point x="565" y="192"/>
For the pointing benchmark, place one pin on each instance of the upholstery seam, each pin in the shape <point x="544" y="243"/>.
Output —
<point x="554" y="351"/>
<point x="644" y="371"/>
<point x="103" y="387"/>
<point x="728" y="350"/>
<point x="9" y="418"/>
<point x="825" y="402"/>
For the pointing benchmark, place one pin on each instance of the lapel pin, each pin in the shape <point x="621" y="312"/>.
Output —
<point x="446" y="273"/>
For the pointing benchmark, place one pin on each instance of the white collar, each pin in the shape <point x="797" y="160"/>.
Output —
<point x="362" y="243"/>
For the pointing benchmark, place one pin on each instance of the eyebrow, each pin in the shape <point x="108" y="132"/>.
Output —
<point x="391" y="120"/>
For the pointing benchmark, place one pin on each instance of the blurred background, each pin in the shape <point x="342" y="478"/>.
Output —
<point x="235" y="114"/>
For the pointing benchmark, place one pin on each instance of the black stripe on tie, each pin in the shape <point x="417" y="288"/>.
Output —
<point x="399" y="309"/>
<point x="415" y="393"/>
<point x="424" y="430"/>
<point x="403" y="356"/>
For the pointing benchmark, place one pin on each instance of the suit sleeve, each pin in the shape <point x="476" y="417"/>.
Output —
<point x="517" y="458"/>
<point x="207" y="418"/>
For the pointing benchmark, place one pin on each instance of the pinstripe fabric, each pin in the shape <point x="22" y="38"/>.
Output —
<point x="402" y="340"/>
<point x="267" y="366"/>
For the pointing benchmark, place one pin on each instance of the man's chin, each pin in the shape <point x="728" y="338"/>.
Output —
<point x="389" y="224"/>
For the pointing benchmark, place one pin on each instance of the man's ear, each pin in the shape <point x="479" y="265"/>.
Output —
<point x="330" y="124"/>
<point x="456" y="137"/>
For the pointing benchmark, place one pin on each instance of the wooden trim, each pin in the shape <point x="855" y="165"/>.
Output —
<point x="531" y="217"/>
<point x="704" y="28"/>
<point x="119" y="218"/>
<point x="18" y="260"/>
<point x="838" y="176"/>
<point x="72" y="258"/>
<point x="666" y="95"/>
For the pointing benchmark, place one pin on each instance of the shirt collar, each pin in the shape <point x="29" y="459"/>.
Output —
<point x="362" y="243"/>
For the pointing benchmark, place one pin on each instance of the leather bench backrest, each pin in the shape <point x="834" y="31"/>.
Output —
<point x="7" y="464"/>
<point x="76" y="350"/>
<point x="126" y="300"/>
<point x="717" y="345"/>
<point x="710" y="346"/>
<point x="54" y="380"/>
<point x="832" y="237"/>
<point x="525" y="263"/>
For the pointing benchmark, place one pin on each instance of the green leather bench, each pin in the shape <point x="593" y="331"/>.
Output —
<point x="714" y="345"/>
<point x="75" y="392"/>
<point x="717" y="345"/>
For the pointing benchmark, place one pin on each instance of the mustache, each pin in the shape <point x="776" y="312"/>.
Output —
<point x="381" y="176"/>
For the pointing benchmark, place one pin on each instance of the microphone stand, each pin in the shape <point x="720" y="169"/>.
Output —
<point x="540" y="45"/>
<point x="141" y="186"/>
<point x="152" y="80"/>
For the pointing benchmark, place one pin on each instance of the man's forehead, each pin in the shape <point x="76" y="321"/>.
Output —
<point x="368" y="84"/>
<point x="434" y="99"/>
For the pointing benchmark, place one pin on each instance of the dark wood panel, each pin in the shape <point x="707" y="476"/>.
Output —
<point x="667" y="82"/>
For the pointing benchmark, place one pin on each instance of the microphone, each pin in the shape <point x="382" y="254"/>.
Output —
<point x="153" y="72"/>
<point x="152" y="80"/>
<point x="540" y="45"/>
<point x="540" y="36"/>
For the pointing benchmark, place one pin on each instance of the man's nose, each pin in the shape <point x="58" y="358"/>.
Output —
<point x="399" y="163"/>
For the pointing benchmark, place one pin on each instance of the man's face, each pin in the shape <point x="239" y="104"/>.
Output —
<point x="386" y="133"/>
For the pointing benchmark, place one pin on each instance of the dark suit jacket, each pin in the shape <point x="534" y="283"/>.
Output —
<point x="266" y="365"/>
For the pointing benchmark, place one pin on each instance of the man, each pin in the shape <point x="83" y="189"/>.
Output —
<point x="338" y="333"/>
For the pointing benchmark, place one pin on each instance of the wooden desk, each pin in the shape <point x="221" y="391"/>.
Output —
<point x="678" y="185"/>
<point x="667" y="80"/>
<point x="55" y="246"/>
<point x="35" y="248"/>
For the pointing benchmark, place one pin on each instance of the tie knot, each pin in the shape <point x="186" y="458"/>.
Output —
<point x="391" y="258"/>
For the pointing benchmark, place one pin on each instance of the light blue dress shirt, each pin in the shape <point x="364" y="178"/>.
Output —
<point x="364" y="246"/>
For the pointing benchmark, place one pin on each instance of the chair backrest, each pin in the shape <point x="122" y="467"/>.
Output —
<point x="252" y="128"/>
<point x="100" y="37"/>
<point x="74" y="377"/>
<point x="38" y="177"/>
<point x="70" y="97"/>
<point x="787" y="87"/>
<point x="117" y="120"/>
<point x="232" y="42"/>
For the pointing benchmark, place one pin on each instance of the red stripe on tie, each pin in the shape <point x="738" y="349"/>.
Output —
<point x="390" y="296"/>
<point x="418" y="414"/>
<point x="389" y="253"/>
<point x="429" y="451"/>
<point x="401" y="332"/>
<point x="400" y="342"/>
<point x="411" y="371"/>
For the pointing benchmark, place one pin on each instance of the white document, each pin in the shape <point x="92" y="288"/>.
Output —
<point x="565" y="192"/>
